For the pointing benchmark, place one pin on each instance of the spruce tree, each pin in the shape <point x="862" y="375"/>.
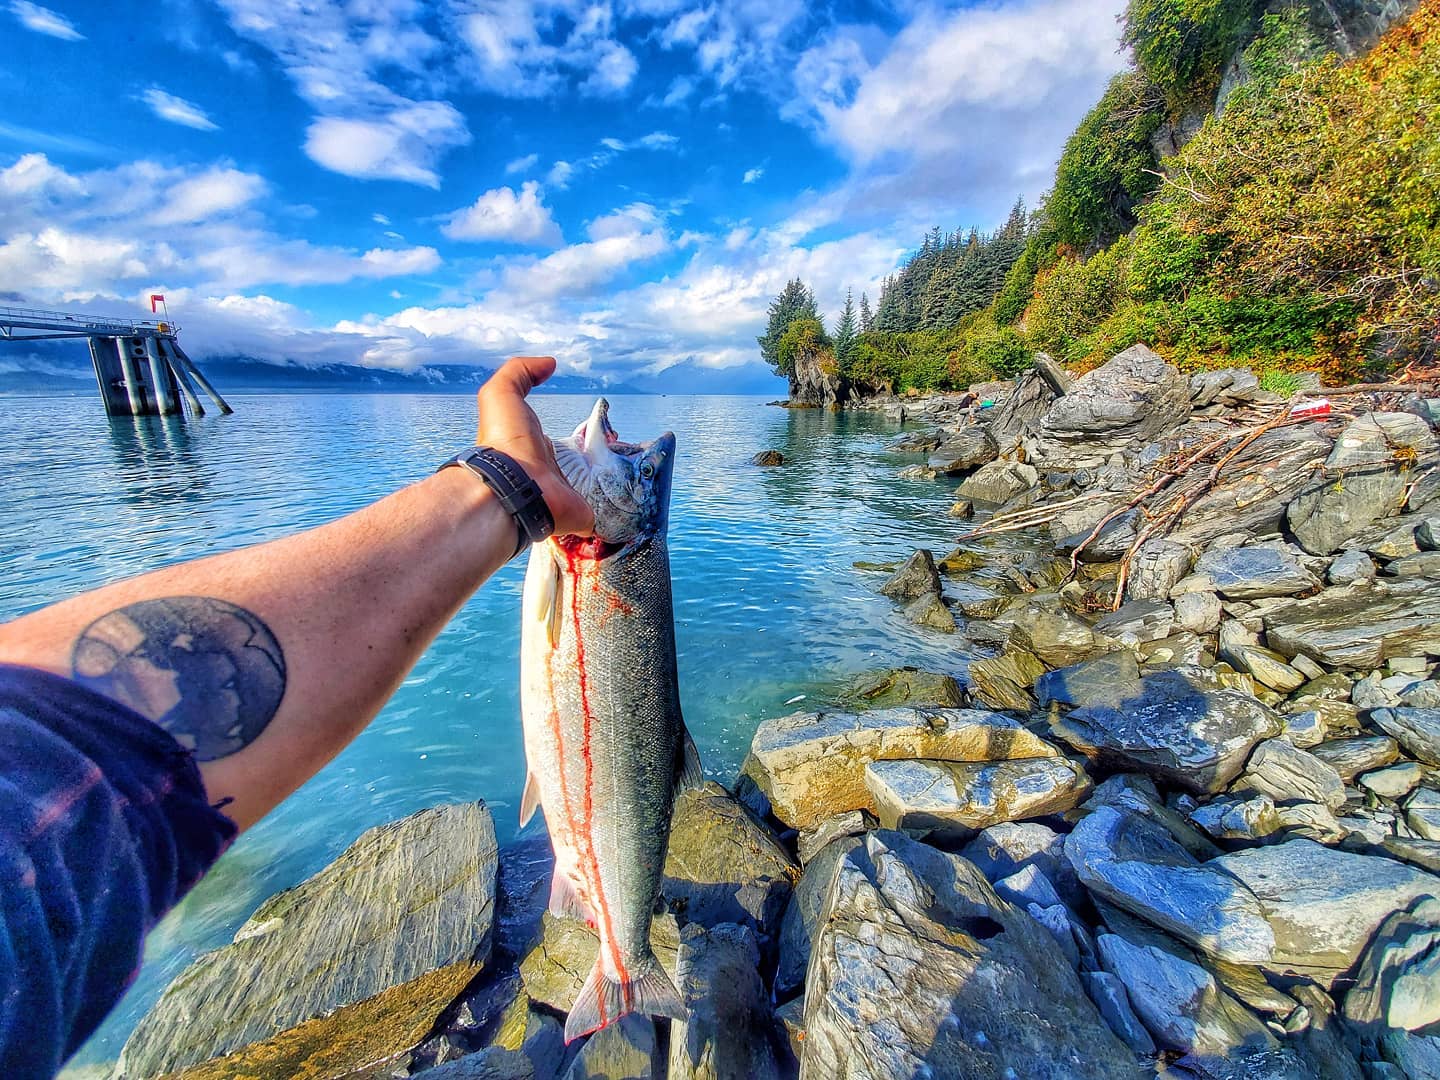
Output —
<point x="846" y="332"/>
<point x="867" y="319"/>
<point x="795" y="301"/>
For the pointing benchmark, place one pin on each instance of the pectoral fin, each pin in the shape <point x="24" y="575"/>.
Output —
<point x="530" y="799"/>
<point x="545" y="597"/>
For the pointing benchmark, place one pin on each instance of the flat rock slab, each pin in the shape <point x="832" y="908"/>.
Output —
<point x="920" y="969"/>
<point x="723" y="866"/>
<point x="1286" y="773"/>
<point x="1366" y="479"/>
<point x="955" y="799"/>
<point x="1351" y="757"/>
<point x="1360" y="627"/>
<point x="812" y="765"/>
<point x="1252" y="572"/>
<point x="1136" y="865"/>
<point x="405" y="899"/>
<point x="1323" y="904"/>
<point x="967" y="449"/>
<point x="1416" y="730"/>
<point x="1177" y="727"/>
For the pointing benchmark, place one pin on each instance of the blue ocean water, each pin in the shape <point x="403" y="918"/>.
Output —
<point x="767" y="604"/>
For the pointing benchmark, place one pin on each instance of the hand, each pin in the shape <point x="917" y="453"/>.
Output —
<point x="509" y="425"/>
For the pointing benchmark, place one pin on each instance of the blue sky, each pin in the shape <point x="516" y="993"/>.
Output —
<point x="622" y="183"/>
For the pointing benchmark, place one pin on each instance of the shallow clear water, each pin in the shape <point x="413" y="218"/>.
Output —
<point x="767" y="604"/>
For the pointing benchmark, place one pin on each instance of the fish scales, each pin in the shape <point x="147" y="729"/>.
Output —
<point x="604" y="736"/>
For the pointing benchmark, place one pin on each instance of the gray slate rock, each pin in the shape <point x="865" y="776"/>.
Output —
<point x="1198" y="612"/>
<point x="851" y="823"/>
<point x="930" y="611"/>
<point x="1286" y="773"/>
<point x="1110" y="997"/>
<point x="1180" y="1002"/>
<point x="920" y="969"/>
<point x="730" y="1032"/>
<point x="1106" y="680"/>
<point x="967" y="449"/>
<point x="998" y="482"/>
<point x="1157" y="566"/>
<point x="1179" y="729"/>
<point x="1324" y="905"/>
<point x="1010" y="848"/>
<point x="1424" y="564"/>
<point x="916" y="577"/>
<point x="953" y="800"/>
<point x="1137" y="621"/>
<point x="1020" y="412"/>
<point x="1121" y="405"/>
<point x="402" y="900"/>
<point x="1238" y="819"/>
<point x="1392" y="782"/>
<point x="1253" y="572"/>
<point x="1055" y="636"/>
<point x="1136" y="865"/>
<point x="723" y="866"/>
<point x="1417" y="730"/>
<point x="1398" y="983"/>
<point x="797" y="931"/>
<point x="1349" y="567"/>
<point x="1351" y="757"/>
<point x="1368" y="483"/>
<point x="1358" y="628"/>
<point x="1427" y="532"/>
<point x="1422" y="813"/>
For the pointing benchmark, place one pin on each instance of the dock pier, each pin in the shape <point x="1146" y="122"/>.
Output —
<point x="140" y="367"/>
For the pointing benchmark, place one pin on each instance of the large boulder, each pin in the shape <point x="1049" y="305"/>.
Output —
<point x="1417" y="730"/>
<point x="816" y="380"/>
<point x="729" y="1032"/>
<point x="920" y="969"/>
<point x="812" y="765"/>
<point x="998" y="482"/>
<point x="1120" y="406"/>
<point x="1324" y="905"/>
<point x="955" y="799"/>
<point x="797" y="931"/>
<point x="1055" y="636"/>
<point x="1179" y="727"/>
<point x="966" y="449"/>
<point x="1180" y="1003"/>
<point x="1133" y="863"/>
<point x="1366" y="477"/>
<point x="723" y="866"/>
<point x="1020" y="412"/>
<point x="405" y="899"/>
<point x="916" y="577"/>
<point x="1360" y="627"/>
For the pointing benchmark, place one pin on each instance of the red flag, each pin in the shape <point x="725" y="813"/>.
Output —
<point x="155" y="298"/>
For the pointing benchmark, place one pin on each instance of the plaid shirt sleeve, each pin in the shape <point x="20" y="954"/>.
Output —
<point x="104" y="826"/>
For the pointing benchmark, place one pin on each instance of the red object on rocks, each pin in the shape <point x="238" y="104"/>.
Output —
<point x="1316" y="409"/>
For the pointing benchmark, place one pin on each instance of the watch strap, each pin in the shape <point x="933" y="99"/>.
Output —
<point x="520" y="496"/>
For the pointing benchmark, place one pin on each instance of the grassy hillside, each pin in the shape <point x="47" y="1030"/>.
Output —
<point x="1297" y="228"/>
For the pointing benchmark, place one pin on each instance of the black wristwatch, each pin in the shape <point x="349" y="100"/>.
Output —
<point x="518" y="494"/>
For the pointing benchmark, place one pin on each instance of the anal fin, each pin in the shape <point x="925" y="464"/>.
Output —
<point x="564" y="900"/>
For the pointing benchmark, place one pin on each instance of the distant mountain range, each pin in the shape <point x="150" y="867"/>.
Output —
<point x="48" y="367"/>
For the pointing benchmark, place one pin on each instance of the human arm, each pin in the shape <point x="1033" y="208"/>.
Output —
<point x="266" y="661"/>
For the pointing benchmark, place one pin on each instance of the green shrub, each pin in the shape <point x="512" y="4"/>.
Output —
<point x="1279" y="382"/>
<point x="1182" y="46"/>
<point x="1074" y="297"/>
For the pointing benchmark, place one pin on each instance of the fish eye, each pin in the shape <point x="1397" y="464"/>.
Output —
<point x="647" y="469"/>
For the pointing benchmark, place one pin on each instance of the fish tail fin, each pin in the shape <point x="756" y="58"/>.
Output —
<point x="604" y="1000"/>
<point x="688" y="771"/>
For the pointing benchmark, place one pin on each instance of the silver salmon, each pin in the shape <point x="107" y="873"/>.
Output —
<point x="605" y="743"/>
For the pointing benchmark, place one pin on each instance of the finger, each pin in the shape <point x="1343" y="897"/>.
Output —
<point x="523" y="373"/>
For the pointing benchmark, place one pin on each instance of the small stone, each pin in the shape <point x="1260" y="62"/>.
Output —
<point x="1269" y="667"/>
<point x="1370" y="693"/>
<point x="1137" y="621"/>
<point x="905" y="686"/>
<point x="1408" y="665"/>
<point x="916" y="472"/>
<point x="1392" y="782"/>
<point x="768" y="458"/>
<point x="1056" y="637"/>
<point x="1198" y="612"/>
<point x="1156" y="568"/>
<point x="1332" y="687"/>
<point x="1238" y="819"/>
<point x="963" y="509"/>
<point x="1028" y="886"/>
<point x="1351" y="757"/>
<point x="1349" y="567"/>
<point x="1417" y="730"/>
<point x="850" y="823"/>
<point x="1422" y="813"/>
<point x="1423" y="695"/>
<point x="998" y="482"/>
<point x="1427" y="532"/>
<point x="1310" y="821"/>
<point x="1001" y="681"/>
<point x="1287" y="773"/>
<point x="960" y="561"/>
<point x="1253" y="571"/>
<point x="1307" y="667"/>
<point x="930" y="611"/>
<point x="1011" y="847"/>
<point x="1304" y="729"/>
<point x="1425" y="564"/>
<point x="965" y="450"/>
<point x="916" y="577"/>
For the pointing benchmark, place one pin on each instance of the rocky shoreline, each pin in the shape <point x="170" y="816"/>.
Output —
<point x="1183" y="820"/>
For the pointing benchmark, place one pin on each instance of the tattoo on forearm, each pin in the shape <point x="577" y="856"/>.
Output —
<point x="208" y="672"/>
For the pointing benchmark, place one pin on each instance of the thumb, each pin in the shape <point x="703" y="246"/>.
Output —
<point x="524" y="373"/>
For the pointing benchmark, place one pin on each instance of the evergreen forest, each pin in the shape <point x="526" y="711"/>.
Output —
<point x="1261" y="187"/>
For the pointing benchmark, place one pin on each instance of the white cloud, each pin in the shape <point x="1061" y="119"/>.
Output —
<point x="44" y="21"/>
<point x="658" y="140"/>
<point x="614" y="68"/>
<point x="560" y="174"/>
<point x="212" y="193"/>
<point x="752" y="175"/>
<point x="379" y="219"/>
<point x="404" y="144"/>
<point x="33" y="174"/>
<point x="617" y="240"/>
<point x="532" y="48"/>
<point x="521" y="164"/>
<point x="505" y="215"/>
<point x="177" y="110"/>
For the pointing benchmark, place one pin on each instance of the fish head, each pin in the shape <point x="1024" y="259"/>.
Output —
<point x="627" y="485"/>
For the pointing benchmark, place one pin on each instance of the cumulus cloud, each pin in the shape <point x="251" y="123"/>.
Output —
<point x="404" y="144"/>
<point x="177" y="110"/>
<point x="44" y="21"/>
<point x="752" y="175"/>
<point x="505" y="215"/>
<point x="212" y="193"/>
